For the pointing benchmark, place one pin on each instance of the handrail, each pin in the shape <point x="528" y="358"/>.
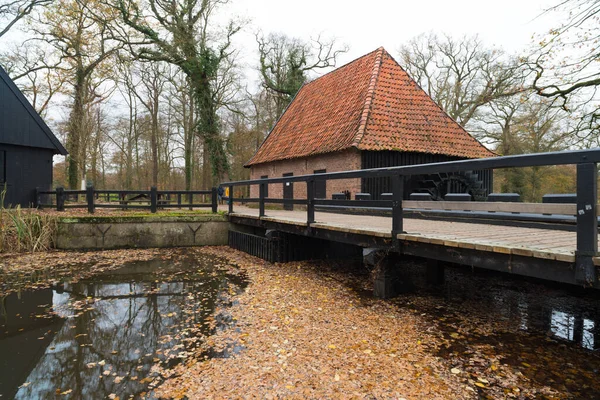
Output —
<point x="155" y="199"/>
<point x="521" y="160"/>
<point x="585" y="211"/>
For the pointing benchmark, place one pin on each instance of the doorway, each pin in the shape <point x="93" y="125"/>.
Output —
<point x="288" y="193"/>
<point x="320" y="186"/>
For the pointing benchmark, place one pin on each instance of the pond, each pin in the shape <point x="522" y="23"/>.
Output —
<point x="109" y="335"/>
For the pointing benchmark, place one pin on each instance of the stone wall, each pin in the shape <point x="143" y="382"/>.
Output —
<point x="331" y="162"/>
<point x="92" y="233"/>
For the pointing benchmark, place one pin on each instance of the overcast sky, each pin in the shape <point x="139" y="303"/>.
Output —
<point x="368" y="24"/>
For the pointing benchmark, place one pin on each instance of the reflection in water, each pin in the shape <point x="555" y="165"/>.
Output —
<point x="564" y="312"/>
<point x="509" y="330"/>
<point x="103" y="335"/>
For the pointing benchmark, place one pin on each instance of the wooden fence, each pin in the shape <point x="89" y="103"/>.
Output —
<point x="152" y="199"/>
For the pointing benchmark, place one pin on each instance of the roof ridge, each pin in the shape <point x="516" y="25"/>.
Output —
<point x="343" y="66"/>
<point x="362" y="126"/>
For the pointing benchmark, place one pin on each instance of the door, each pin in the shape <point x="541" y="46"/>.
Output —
<point x="320" y="186"/>
<point x="266" y="186"/>
<point x="288" y="193"/>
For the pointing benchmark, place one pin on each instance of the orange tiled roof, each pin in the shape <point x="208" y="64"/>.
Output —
<point x="369" y="104"/>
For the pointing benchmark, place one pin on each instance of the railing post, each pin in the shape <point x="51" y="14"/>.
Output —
<point x="230" y="199"/>
<point x="153" y="199"/>
<point x="214" y="200"/>
<point x="397" y="195"/>
<point x="587" y="224"/>
<point x="60" y="198"/>
<point x="89" y="196"/>
<point x="191" y="200"/>
<point x="261" y="203"/>
<point x="310" y="197"/>
<point x="178" y="200"/>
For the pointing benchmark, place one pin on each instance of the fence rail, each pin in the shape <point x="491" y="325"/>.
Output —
<point x="152" y="199"/>
<point x="586" y="198"/>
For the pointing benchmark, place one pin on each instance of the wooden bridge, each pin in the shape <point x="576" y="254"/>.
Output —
<point x="557" y="242"/>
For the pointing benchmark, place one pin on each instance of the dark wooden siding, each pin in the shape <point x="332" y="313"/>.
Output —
<point x="18" y="126"/>
<point x="25" y="169"/>
<point x="382" y="159"/>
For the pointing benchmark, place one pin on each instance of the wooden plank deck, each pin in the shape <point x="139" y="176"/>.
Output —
<point x="528" y="242"/>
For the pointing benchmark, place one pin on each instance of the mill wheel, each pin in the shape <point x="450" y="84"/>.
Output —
<point x="438" y="185"/>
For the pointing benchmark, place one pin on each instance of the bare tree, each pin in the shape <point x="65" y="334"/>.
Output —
<point x="38" y="75"/>
<point x="565" y="66"/>
<point x="286" y="62"/>
<point x="82" y="41"/>
<point x="462" y="75"/>
<point x="12" y="11"/>
<point x="182" y="33"/>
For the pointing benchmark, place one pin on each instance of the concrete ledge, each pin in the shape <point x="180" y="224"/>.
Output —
<point x="94" y="233"/>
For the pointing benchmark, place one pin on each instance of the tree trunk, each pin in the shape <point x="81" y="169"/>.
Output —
<point x="75" y="131"/>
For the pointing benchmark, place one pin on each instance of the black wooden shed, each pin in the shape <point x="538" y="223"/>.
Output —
<point x="27" y="146"/>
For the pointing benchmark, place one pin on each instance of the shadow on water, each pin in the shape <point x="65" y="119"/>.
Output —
<point x="103" y="335"/>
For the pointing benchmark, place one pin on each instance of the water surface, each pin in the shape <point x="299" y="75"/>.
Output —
<point x="106" y="335"/>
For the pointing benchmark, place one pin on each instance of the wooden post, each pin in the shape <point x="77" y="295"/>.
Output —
<point x="310" y="195"/>
<point x="153" y="199"/>
<point x="261" y="203"/>
<point x="191" y="200"/>
<point x="397" y="194"/>
<point x="214" y="200"/>
<point x="178" y="200"/>
<point x="60" y="198"/>
<point x="89" y="194"/>
<point x="587" y="224"/>
<point x="230" y="199"/>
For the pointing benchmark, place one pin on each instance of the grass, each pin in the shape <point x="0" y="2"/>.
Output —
<point x="25" y="230"/>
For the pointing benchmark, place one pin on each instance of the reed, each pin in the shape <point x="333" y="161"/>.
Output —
<point x="25" y="230"/>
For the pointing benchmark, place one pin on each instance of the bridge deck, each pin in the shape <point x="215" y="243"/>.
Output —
<point x="528" y="242"/>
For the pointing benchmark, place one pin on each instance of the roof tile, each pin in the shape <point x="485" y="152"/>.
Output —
<point x="370" y="104"/>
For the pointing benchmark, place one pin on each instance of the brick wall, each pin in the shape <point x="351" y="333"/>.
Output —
<point x="331" y="162"/>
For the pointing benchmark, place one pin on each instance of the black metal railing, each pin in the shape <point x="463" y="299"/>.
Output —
<point x="587" y="176"/>
<point x="152" y="199"/>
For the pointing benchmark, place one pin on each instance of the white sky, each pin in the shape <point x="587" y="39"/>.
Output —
<point x="365" y="25"/>
<point x="368" y="24"/>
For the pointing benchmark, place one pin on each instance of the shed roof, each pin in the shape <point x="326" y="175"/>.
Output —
<point x="369" y="104"/>
<point x="20" y="124"/>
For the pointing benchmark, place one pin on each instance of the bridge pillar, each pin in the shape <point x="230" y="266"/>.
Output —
<point x="435" y="272"/>
<point x="386" y="278"/>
